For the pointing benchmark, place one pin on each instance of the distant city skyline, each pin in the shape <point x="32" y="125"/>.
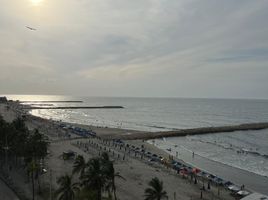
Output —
<point x="142" y="48"/>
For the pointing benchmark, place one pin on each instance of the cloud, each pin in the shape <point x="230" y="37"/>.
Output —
<point x="153" y="47"/>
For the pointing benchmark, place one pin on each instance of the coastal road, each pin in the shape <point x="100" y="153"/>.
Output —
<point x="6" y="193"/>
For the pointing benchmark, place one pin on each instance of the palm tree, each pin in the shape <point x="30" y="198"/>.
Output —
<point x="155" y="192"/>
<point x="111" y="175"/>
<point x="105" y="158"/>
<point x="36" y="150"/>
<point x="20" y="125"/>
<point x="67" y="188"/>
<point x="79" y="165"/>
<point x="94" y="177"/>
<point x="86" y="194"/>
<point x="32" y="168"/>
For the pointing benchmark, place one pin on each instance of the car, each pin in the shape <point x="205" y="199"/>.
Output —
<point x="152" y="159"/>
<point x="218" y="180"/>
<point x="118" y="141"/>
<point x="227" y="183"/>
<point x="176" y="167"/>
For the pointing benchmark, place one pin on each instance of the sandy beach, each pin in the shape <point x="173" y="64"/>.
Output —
<point x="253" y="181"/>
<point x="137" y="172"/>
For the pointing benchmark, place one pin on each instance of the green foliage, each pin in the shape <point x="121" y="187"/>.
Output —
<point x="67" y="188"/>
<point x="19" y="125"/>
<point x="155" y="191"/>
<point x="86" y="194"/>
<point x="36" y="146"/>
<point x="96" y="175"/>
<point x="110" y="174"/>
<point x="21" y="142"/>
<point x="3" y="132"/>
<point x="30" y="146"/>
<point x="79" y="165"/>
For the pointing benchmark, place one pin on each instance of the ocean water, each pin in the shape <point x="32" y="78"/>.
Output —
<point x="156" y="114"/>
<point x="247" y="150"/>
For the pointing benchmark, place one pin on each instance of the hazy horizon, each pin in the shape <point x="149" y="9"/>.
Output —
<point x="151" y="48"/>
<point x="145" y="97"/>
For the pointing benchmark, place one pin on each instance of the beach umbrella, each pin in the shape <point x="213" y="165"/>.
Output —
<point x="183" y="171"/>
<point x="196" y="170"/>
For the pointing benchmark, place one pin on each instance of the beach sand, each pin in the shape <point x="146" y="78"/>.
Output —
<point x="137" y="172"/>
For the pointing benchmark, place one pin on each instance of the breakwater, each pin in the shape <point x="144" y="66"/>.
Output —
<point x="75" y="107"/>
<point x="196" y="131"/>
<point x="51" y="101"/>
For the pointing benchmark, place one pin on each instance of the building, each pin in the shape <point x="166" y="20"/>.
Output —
<point x="3" y="100"/>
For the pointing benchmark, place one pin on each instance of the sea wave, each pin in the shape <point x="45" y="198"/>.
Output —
<point x="220" y="160"/>
<point x="185" y="150"/>
<point x="232" y="147"/>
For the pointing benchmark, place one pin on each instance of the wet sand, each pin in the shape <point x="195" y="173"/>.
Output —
<point x="252" y="181"/>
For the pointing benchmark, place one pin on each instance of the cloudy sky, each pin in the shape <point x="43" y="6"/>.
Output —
<point x="164" y="48"/>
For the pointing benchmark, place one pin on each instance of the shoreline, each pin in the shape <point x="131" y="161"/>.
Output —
<point x="253" y="181"/>
<point x="130" y="135"/>
<point x="137" y="171"/>
<point x="49" y="125"/>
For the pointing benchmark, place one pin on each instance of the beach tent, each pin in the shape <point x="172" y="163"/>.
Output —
<point x="183" y="171"/>
<point x="196" y="171"/>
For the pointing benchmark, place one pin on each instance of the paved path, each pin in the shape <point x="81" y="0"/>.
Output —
<point x="6" y="193"/>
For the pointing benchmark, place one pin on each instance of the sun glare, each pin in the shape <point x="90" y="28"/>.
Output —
<point x="36" y="2"/>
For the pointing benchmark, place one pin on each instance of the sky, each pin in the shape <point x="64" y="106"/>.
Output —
<point x="141" y="48"/>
